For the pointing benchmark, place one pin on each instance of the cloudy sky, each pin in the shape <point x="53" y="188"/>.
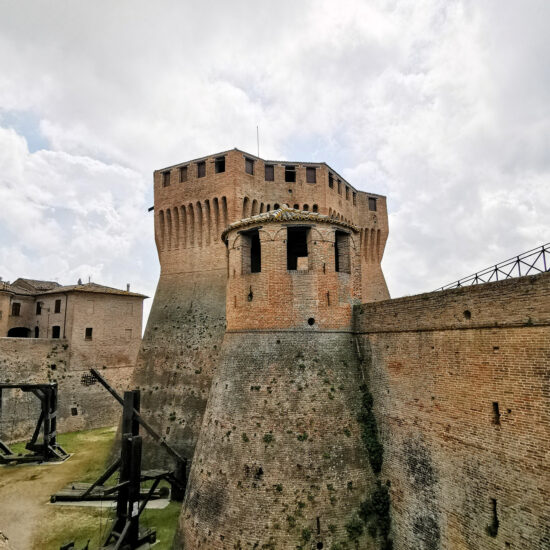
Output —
<point x="442" y="105"/>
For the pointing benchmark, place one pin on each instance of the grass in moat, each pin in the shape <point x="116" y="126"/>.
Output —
<point x="59" y="524"/>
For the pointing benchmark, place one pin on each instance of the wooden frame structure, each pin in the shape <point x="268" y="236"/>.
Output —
<point x="49" y="450"/>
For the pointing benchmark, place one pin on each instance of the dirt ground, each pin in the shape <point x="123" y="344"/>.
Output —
<point x="25" y="512"/>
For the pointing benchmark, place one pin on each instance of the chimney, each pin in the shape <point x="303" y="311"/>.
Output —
<point x="127" y="287"/>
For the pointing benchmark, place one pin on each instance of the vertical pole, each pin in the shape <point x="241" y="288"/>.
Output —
<point x="122" y="497"/>
<point x="136" y="407"/>
<point x="180" y="474"/>
<point x="134" y="490"/>
<point x="128" y="413"/>
<point x="47" y="423"/>
<point x="53" y="418"/>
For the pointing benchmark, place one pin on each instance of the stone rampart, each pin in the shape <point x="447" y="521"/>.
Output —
<point x="83" y="404"/>
<point x="461" y="390"/>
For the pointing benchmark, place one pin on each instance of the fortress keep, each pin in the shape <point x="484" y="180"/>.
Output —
<point x="317" y="412"/>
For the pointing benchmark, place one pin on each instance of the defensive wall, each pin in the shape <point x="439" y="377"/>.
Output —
<point x="194" y="202"/>
<point x="461" y="387"/>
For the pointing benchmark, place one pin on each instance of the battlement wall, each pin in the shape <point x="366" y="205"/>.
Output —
<point x="461" y="394"/>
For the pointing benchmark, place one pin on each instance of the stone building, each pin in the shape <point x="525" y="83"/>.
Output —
<point x="317" y="412"/>
<point x="54" y="332"/>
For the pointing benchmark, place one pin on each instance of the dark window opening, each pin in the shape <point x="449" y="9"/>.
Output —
<point x="88" y="333"/>
<point x="306" y="207"/>
<point x="183" y="174"/>
<point x="74" y="411"/>
<point x="330" y="180"/>
<point x="57" y="306"/>
<point x="315" y="208"/>
<point x="296" y="247"/>
<point x="319" y="528"/>
<point x="311" y="321"/>
<point x="219" y="165"/>
<point x="19" y="332"/>
<point x="251" y="252"/>
<point x="311" y="175"/>
<point x="354" y="199"/>
<point x="296" y="207"/>
<point x="372" y="204"/>
<point x="201" y="169"/>
<point x="342" y="262"/>
<point x="36" y="332"/>
<point x="339" y="187"/>
<point x="319" y="545"/>
<point x="492" y="528"/>
<point x="166" y="178"/>
<point x="56" y="331"/>
<point x="290" y="173"/>
<point x="275" y="206"/>
<point x="38" y="308"/>
<point x="249" y="166"/>
<point x="269" y="172"/>
<point x="467" y="314"/>
<point x="347" y="193"/>
<point x="496" y="414"/>
<point x="15" y="309"/>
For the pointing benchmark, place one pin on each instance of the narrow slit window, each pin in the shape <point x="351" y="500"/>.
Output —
<point x="339" y="187"/>
<point x="183" y="174"/>
<point x="251" y="252"/>
<point x="347" y="193"/>
<point x="330" y="180"/>
<point x="296" y="248"/>
<point x="315" y="208"/>
<point x="249" y="166"/>
<point x="311" y="174"/>
<point x="38" y="308"/>
<point x="496" y="414"/>
<point x="15" y="309"/>
<point x="57" y="306"/>
<point x="201" y="169"/>
<point x="290" y="174"/>
<point x="88" y="333"/>
<point x="36" y="332"/>
<point x="372" y="204"/>
<point x="354" y="199"/>
<point x="342" y="262"/>
<point x="166" y="178"/>
<point x="269" y="172"/>
<point x="56" y="331"/>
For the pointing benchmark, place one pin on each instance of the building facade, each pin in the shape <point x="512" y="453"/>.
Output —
<point x="52" y="332"/>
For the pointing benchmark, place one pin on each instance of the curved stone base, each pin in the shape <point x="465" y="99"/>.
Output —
<point x="280" y="462"/>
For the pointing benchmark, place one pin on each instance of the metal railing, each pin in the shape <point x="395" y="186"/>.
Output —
<point x="531" y="262"/>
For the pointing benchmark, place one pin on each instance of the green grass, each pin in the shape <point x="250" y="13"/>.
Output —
<point x="61" y="524"/>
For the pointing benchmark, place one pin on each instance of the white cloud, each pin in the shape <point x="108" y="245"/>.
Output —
<point x="443" y="106"/>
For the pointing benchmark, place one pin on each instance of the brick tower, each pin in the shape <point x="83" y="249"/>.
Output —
<point x="194" y="202"/>
<point x="280" y="462"/>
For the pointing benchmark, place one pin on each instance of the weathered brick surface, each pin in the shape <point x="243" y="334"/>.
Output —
<point x="280" y="445"/>
<point x="40" y="360"/>
<point x="187" y="322"/>
<point x="435" y="375"/>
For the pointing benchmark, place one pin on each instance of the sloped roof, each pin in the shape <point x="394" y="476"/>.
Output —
<point x="34" y="284"/>
<point x="94" y="288"/>
<point x="285" y="213"/>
